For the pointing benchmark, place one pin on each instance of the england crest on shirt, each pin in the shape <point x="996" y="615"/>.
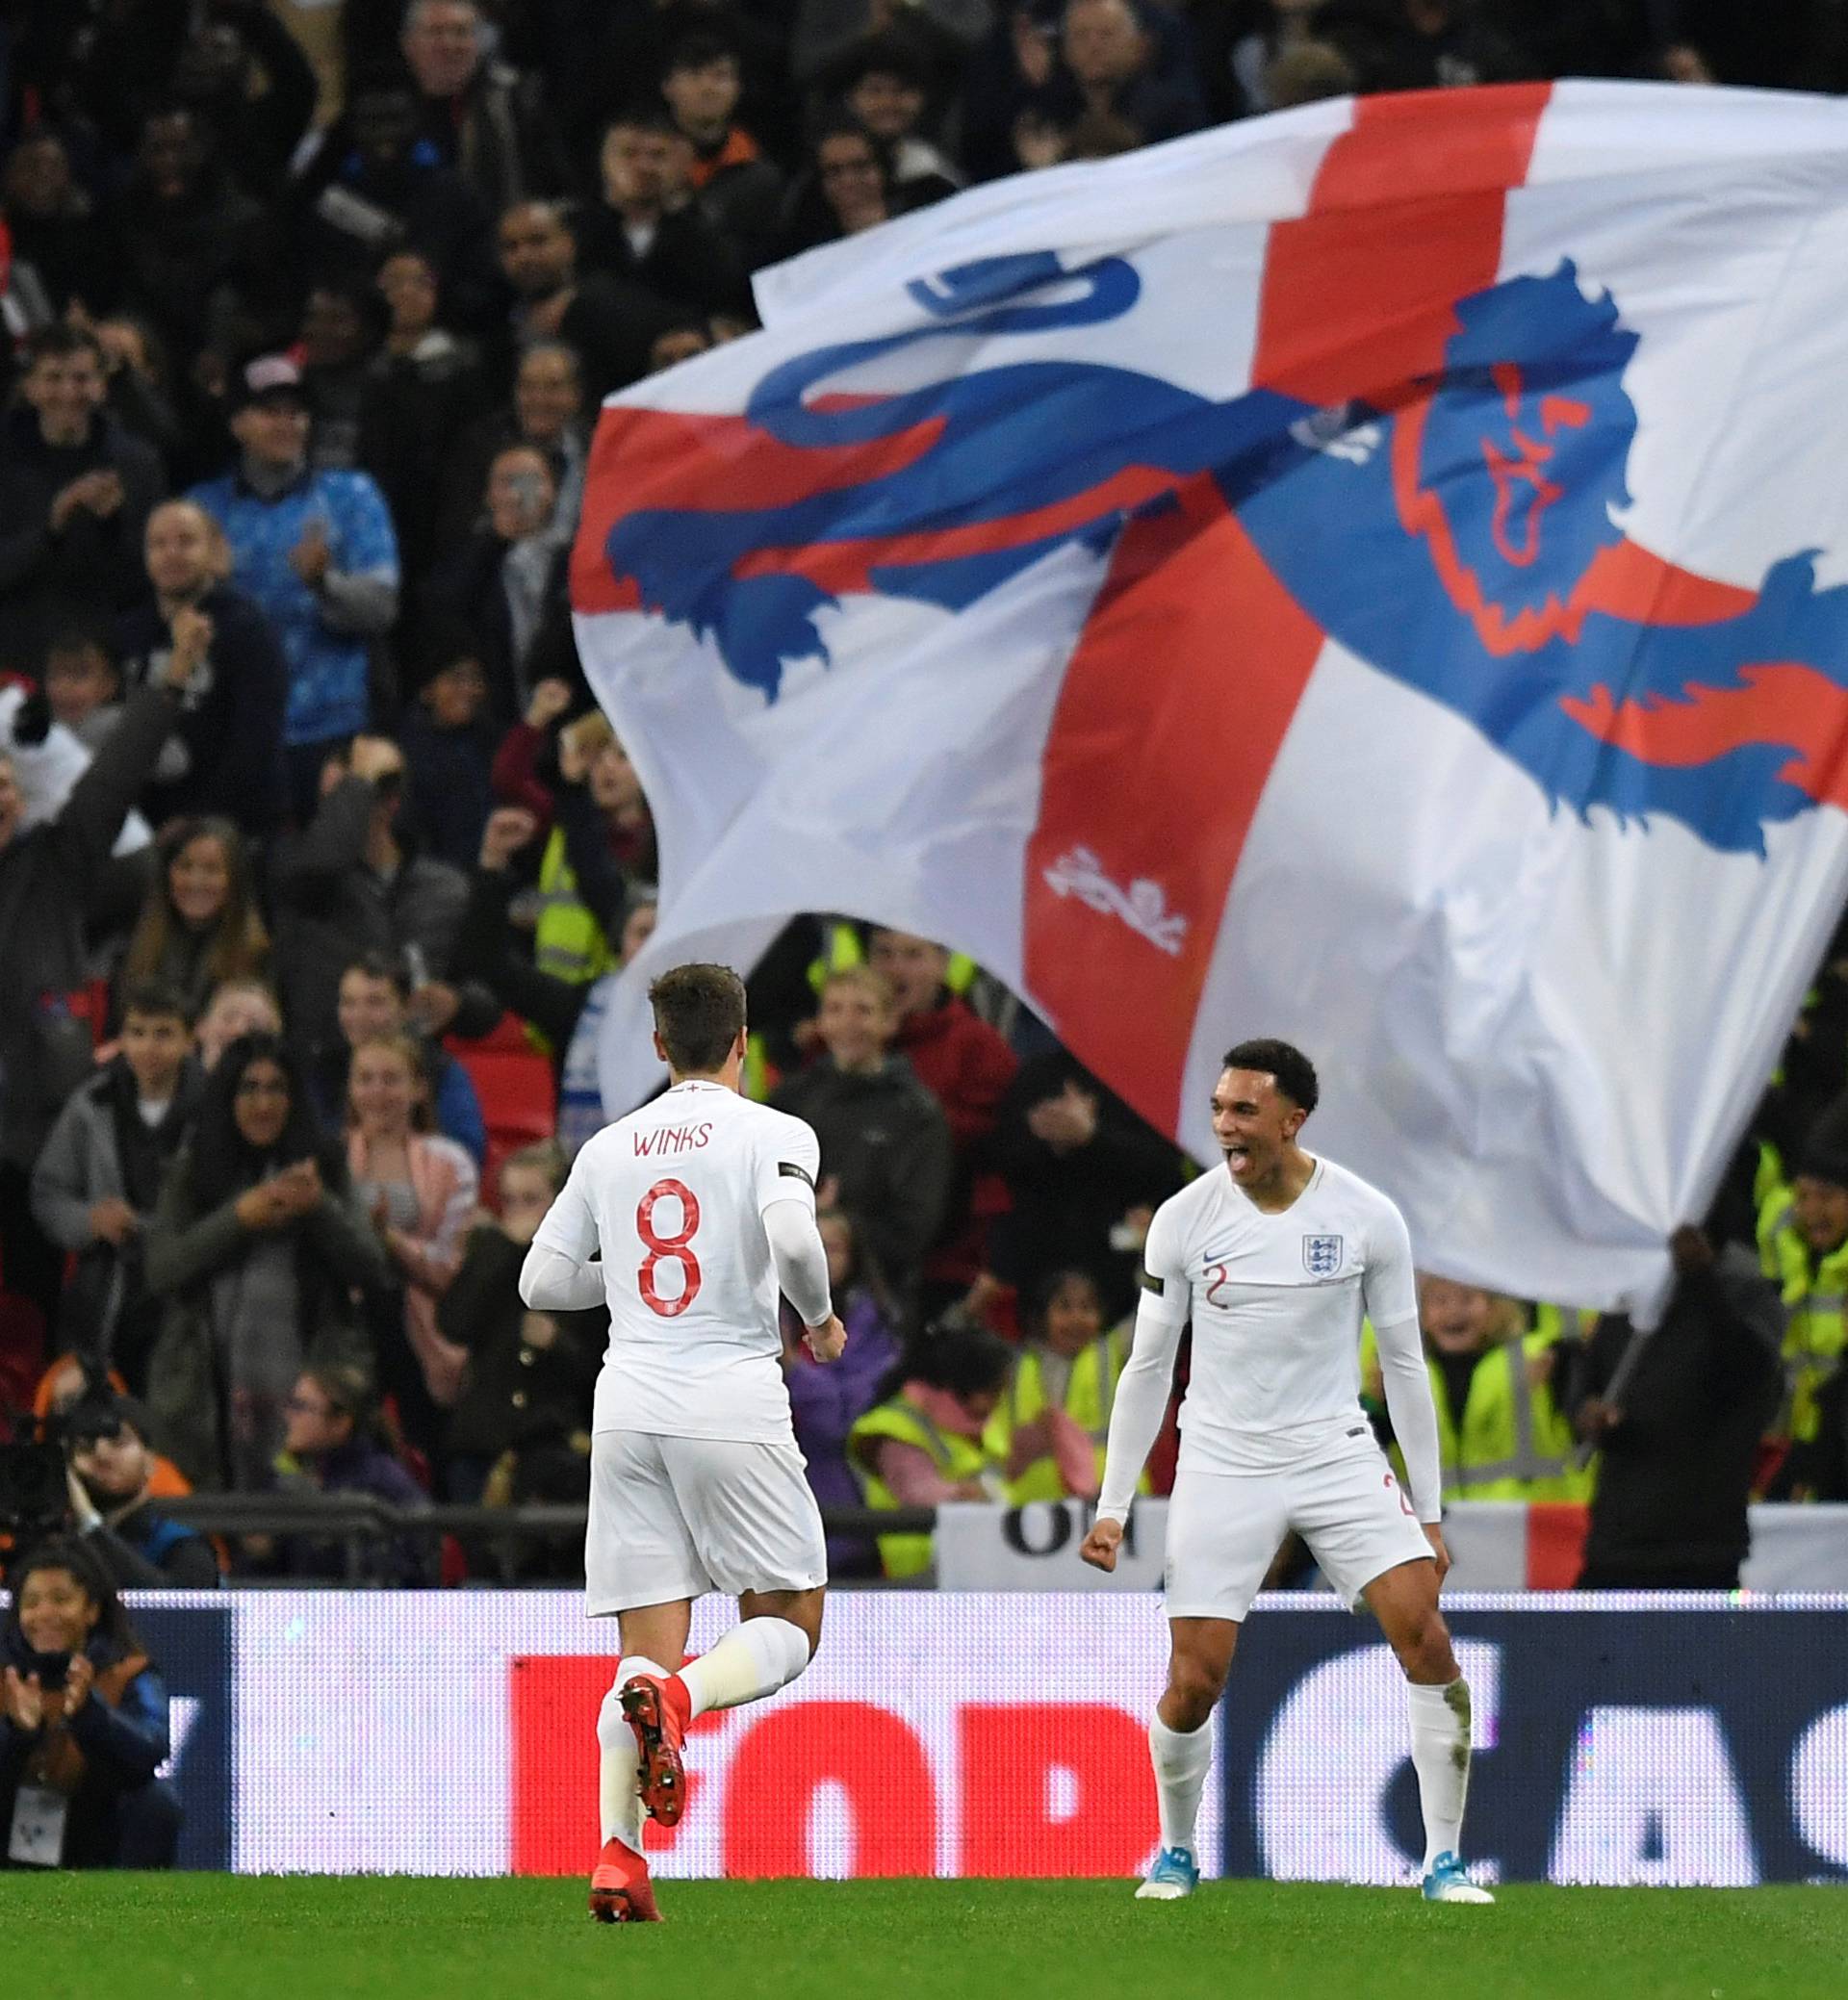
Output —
<point x="1322" y="1255"/>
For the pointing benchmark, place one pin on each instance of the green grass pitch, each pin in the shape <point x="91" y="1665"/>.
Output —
<point x="107" y="1937"/>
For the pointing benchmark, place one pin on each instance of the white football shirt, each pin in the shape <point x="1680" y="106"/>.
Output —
<point x="673" y="1199"/>
<point x="1276" y="1303"/>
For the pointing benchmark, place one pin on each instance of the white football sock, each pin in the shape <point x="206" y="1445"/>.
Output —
<point x="1441" y="1757"/>
<point x="619" y="1791"/>
<point x="753" y="1660"/>
<point x="1181" y="1761"/>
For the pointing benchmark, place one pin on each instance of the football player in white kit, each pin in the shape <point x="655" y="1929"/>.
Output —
<point x="1276" y="1260"/>
<point x="701" y="1207"/>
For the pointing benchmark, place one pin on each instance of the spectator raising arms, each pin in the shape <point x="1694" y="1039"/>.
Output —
<point x="1077" y="1162"/>
<point x="354" y="883"/>
<point x="83" y="1717"/>
<point x="201" y="925"/>
<point x="257" y="1248"/>
<point x="48" y="875"/>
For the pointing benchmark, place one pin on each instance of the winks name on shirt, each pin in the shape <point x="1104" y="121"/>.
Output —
<point x="671" y="1139"/>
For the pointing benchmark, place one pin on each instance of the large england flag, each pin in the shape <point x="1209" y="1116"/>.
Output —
<point x="1372" y="575"/>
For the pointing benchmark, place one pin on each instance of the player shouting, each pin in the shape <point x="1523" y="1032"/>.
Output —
<point x="1276" y="1260"/>
<point x="701" y="1206"/>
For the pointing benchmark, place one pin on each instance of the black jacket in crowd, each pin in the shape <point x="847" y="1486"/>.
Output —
<point x="1670" y="1509"/>
<point x="47" y="876"/>
<point x="227" y="758"/>
<point x="331" y="908"/>
<point x="515" y="1394"/>
<point x="885" y="1141"/>
<point x="1066" y="1204"/>
<point x="93" y="561"/>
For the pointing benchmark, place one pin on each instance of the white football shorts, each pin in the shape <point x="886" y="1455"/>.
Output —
<point x="674" y="1518"/>
<point x="1224" y="1529"/>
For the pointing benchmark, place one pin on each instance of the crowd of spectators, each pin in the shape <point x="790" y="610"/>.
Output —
<point x="316" y="855"/>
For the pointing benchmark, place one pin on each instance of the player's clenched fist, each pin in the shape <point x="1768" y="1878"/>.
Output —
<point x="827" y="1343"/>
<point x="1099" y="1547"/>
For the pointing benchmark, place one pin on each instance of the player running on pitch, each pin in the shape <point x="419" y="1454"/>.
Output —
<point x="1276" y="1260"/>
<point x="701" y="1206"/>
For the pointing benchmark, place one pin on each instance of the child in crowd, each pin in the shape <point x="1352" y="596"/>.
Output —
<point x="420" y="1191"/>
<point x="523" y="1414"/>
<point x="96" y="1182"/>
<point x="884" y="1142"/>
<point x="921" y="1443"/>
<point x="83" y="684"/>
<point x="374" y="997"/>
<point x="331" y="1443"/>
<point x="1050" y="1429"/>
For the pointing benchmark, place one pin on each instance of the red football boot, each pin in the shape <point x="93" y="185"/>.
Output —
<point x="658" y="1712"/>
<point x="620" y="1890"/>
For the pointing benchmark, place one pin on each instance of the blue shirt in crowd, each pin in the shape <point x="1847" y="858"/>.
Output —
<point x="328" y="669"/>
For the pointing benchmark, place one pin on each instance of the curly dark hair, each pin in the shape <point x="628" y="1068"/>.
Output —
<point x="1292" y="1073"/>
<point x="67" y="1553"/>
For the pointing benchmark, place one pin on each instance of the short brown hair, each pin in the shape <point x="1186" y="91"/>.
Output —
<point x="699" y="1014"/>
<point x="547" y="1157"/>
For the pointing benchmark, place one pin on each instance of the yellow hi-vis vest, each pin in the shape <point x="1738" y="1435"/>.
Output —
<point x="1513" y="1442"/>
<point x="955" y="1458"/>
<point x="1813" y="1299"/>
<point x="1554" y="1322"/>
<point x="1090" y="1392"/>
<point x="568" y="941"/>
<point x="840" y="949"/>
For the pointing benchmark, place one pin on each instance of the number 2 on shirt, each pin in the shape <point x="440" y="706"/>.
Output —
<point x="672" y="1249"/>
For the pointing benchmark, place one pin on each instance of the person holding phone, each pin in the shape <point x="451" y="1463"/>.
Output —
<point x="507" y="582"/>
